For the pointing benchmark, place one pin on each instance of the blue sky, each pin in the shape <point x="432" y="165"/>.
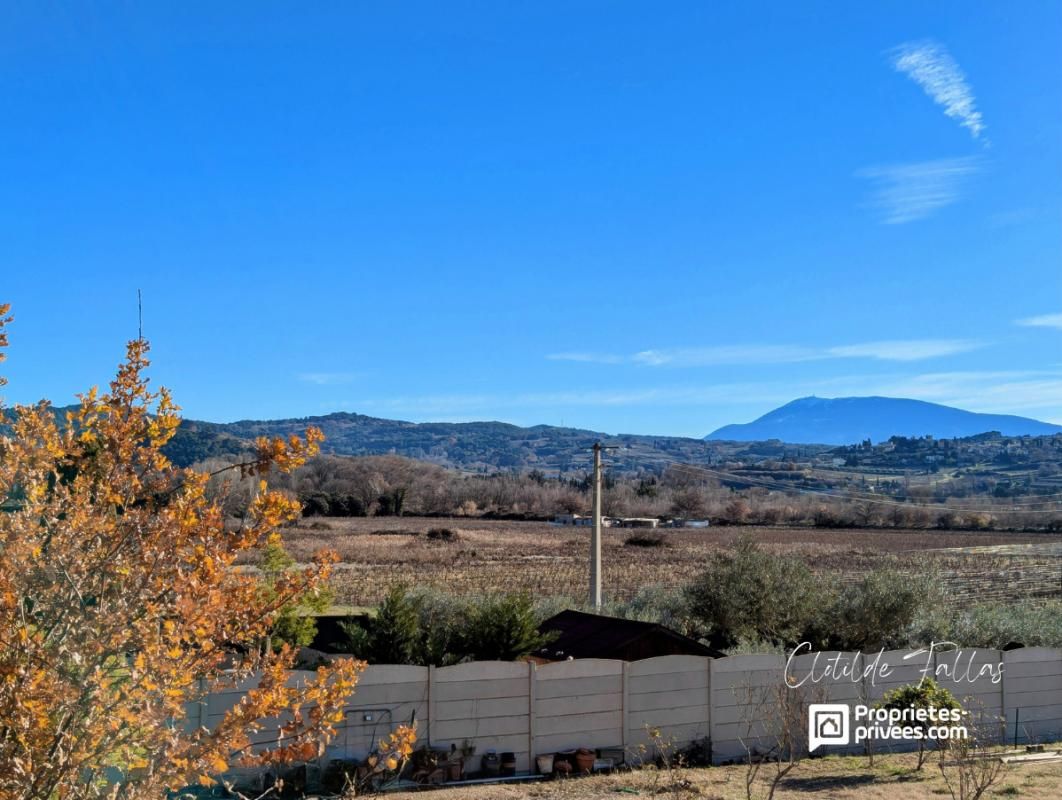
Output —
<point x="632" y="217"/>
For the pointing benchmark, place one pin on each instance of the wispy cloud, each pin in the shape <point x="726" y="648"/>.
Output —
<point x="931" y="66"/>
<point x="327" y="378"/>
<point x="728" y="354"/>
<point x="488" y="404"/>
<point x="908" y="192"/>
<point x="906" y="349"/>
<point x="1042" y="321"/>
<point x="891" y="350"/>
<point x="993" y="391"/>
<point x="1034" y="392"/>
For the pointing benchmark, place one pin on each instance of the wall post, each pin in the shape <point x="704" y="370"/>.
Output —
<point x="625" y="707"/>
<point x="532" y="678"/>
<point x="708" y="705"/>
<point x="431" y="703"/>
<point x="712" y="737"/>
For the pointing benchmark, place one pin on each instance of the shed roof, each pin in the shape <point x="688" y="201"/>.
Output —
<point x="583" y="635"/>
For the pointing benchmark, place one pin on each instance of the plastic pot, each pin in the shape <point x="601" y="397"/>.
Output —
<point x="544" y="764"/>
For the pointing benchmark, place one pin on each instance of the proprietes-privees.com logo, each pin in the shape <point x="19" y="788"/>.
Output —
<point x="831" y="724"/>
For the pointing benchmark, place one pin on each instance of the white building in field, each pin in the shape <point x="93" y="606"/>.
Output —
<point x="639" y="522"/>
<point x="580" y="520"/>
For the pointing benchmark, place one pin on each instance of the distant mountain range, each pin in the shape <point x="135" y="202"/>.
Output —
<point x="849" y="420"/>
<point x="470" y="446"/>
<point x="796" y="431"/>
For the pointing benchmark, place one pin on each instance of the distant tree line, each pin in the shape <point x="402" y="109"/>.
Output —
<point x="338" y="486"/>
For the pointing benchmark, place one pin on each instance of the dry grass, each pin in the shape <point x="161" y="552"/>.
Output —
<point x="837" y="778"/>
<point x="488" y="556"/>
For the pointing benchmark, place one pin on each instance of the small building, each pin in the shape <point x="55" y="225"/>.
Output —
<point x="582" y="635"/>
<point x="580" y="520"/>
<point x="639" y="522"/>
<point x="588" y="522"/>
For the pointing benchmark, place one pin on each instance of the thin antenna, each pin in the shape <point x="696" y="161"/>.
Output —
<point x="139" y="317"/>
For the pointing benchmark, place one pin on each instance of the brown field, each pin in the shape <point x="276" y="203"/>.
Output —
<point x="851" y="778"/>
<point x="489" y="555"/>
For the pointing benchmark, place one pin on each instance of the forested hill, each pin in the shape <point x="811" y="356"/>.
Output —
<point x="475" y="446"/>
<point x="489" y="447"/>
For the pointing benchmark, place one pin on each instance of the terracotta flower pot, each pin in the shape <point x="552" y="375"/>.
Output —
<point x="584" y="760"/>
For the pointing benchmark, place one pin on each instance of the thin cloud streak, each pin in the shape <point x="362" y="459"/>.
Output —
<point x="732" y="354"/>
<point x="722" y="394"/>
<point x="909" y="192"/>
<point x="1035" y="392"/>
<point x="906" y="350"/>
<point x="931" y="66"/>
<point x="1042" y="321"/>
<point x="891" y="350"/>
<point x="996" y="392"/>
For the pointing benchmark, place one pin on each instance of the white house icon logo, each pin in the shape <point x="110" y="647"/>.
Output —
<point x="827" y="724"/>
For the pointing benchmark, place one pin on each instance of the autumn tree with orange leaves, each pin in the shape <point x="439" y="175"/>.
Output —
<point x="120" y="605"/>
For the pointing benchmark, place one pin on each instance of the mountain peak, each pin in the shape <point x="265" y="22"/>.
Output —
<point x="848" y="420"/>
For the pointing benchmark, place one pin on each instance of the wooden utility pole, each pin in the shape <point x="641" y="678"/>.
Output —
<point x="595" y="537"/>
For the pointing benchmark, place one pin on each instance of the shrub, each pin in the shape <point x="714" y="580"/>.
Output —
<point x="664" y="605"/>
<point x="995" y="624"/>
<point x="393" y="636"/>
<point x="295" y="623"/>
<point x="770" y="515"/>
<point x="647" y="540"/>
<point x="736" y="511"/>
<point x="751" y="594"/>
<point x="323" y="504"/>
<point x="925" y="694"/>
<point x="428" y="628"/>
<point x="443" y="535"/>
<point x="502" y="629"/>
<point x="830" y="516"/>
<point x="315" y="505"/>
<point x="947" y="520"/>
<point x="442" y="620"/>
<point x="689" y="502"/>
<point x="877" y="612"/>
